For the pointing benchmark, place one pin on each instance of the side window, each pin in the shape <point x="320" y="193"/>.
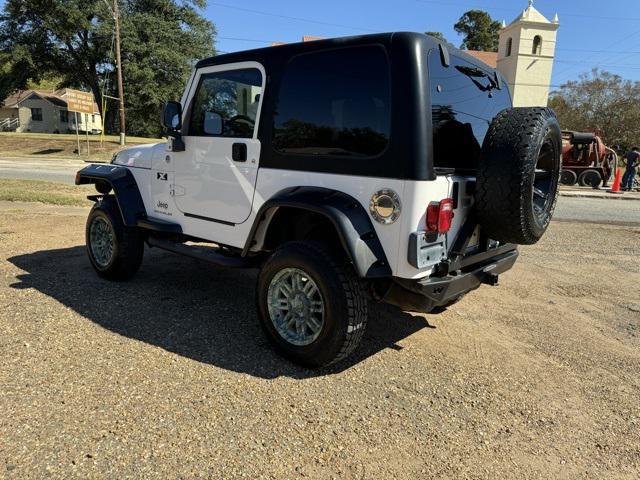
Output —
<point x="334" y="102"/>
<point x="36" y="114"/>
<point x="226" y="104"/>
<point x="464" y="101"/>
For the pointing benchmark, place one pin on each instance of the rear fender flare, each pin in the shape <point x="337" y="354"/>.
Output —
<point x="124" y="187"/>
<point x="350" y="220"/>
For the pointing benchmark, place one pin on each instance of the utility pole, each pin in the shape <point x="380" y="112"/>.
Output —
<point x="116" y="19"/>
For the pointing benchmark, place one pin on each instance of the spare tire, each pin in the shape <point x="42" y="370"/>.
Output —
<point x="518" y="174"/>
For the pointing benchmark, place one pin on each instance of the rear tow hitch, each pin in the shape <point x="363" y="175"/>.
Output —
<point x="491" y="279"/>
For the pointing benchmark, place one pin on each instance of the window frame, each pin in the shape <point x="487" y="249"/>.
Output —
<point x="390" y="92"/>
<point x="33" y="117"/>
<point x="509" y="47"/>
<point x="194" y="85"/>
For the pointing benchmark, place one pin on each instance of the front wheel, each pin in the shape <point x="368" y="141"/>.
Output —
<point x="114" y="250"/>
<point x="311" y="304"/>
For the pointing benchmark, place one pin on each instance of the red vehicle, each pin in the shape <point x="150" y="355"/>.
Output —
<point x="586" y="160"/>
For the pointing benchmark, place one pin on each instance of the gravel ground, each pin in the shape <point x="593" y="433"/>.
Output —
<point x="169" y="376"/>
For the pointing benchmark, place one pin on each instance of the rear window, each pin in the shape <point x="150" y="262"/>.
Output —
<point x="463" y="104"/>
<point x="334" y="103"/>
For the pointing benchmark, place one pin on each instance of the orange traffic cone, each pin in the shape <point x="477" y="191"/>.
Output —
<point x="615" y="188"/>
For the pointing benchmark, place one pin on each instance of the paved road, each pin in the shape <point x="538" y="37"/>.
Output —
<point x="614" y="212"/>
<point x="51" y="170"/>
<point x="569" y="208"/>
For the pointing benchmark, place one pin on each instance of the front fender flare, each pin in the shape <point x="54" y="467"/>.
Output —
<point x="355" y="230"/>
<point x="124" y="187"/>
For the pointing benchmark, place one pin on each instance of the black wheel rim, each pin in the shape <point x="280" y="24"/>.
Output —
<point x="544" y="183"/>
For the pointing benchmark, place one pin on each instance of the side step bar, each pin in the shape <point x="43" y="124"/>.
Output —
<point x="158" y="225"/>
<point x="207" y="254"/>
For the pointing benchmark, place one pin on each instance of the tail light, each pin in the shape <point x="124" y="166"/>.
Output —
<point x="439" y="216"/>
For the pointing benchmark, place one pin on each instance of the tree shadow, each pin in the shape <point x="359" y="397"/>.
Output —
<point x="190" y="308"/>
<point x="48" y="151"/>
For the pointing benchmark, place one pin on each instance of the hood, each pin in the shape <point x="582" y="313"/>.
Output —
<point x="139" y="156"/>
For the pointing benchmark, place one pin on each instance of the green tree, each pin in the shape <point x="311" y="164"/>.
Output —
<point x="480" y="31"/>
<point x="438" y="35"/>
<point x="72" y="39"/>
<point x="600" y="101"/>
<point x="16" y="68"/>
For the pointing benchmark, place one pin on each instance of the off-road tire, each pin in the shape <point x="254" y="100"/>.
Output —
<point x="128" y="245"/>
<point x="504" y="202"/>
<point x="345" y="303"/>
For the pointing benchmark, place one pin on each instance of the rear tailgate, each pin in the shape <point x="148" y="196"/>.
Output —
<point x="430" y="253"/>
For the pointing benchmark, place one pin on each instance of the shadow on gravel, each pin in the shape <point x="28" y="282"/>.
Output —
<point x="193" y="309"/>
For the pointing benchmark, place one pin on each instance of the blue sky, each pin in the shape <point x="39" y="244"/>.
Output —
<point x="592" y="32"/>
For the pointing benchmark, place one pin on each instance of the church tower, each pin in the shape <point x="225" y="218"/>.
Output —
<point x="525" y="56"/>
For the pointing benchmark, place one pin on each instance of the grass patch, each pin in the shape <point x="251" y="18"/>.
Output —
<point x="45" y="145"/>
<point x="51" y="193"/>
<point x="83" y="138"/>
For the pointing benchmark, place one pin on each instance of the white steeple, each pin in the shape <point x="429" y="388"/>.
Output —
<point x="531" y="14"/>
<point x="525" y="56"/>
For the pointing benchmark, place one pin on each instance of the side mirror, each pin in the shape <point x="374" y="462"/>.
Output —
<point x="172" y="116"/>
<point x="172" y="121"/>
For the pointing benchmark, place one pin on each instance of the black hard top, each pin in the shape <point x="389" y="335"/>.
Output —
<point x="389" y="39"/>
<point x="410" y="151"/>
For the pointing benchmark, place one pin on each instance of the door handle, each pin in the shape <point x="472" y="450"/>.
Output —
<point x="239" y="152"/>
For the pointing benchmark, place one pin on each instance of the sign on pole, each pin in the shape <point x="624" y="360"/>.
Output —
<point x="77" y="134"/>
<point x="86" y="124"/>
<point x="80" y="102"/>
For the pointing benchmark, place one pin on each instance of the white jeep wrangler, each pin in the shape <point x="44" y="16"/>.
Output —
<point x="386" y="167"/>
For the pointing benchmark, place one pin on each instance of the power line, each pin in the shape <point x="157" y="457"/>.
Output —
<point x="287" y="17"/>
<point x="577" y="50"/>
<point x="246" y="39"/>
<point x="494" y="7"/>
<point x="617" y="42"/>
<point x="597" y="51"/>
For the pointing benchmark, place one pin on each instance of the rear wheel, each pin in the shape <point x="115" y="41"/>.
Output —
<point x="115" y="251"/>
<point x="568" y="177"/>
<point x="590" y="178"/>
<point x="518" y="174"/>
<point x="311" y="304"/>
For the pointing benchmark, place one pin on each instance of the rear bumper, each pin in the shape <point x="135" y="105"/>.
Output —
<point x="427" y="293"/>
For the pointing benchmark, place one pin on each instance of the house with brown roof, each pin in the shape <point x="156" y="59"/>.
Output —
<point x="45" y="111"/>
